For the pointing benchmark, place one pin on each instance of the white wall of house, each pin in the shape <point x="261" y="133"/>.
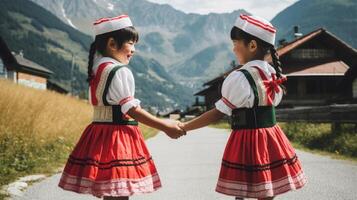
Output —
<point x="32" y="83"/>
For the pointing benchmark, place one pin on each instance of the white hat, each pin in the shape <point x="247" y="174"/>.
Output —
<point x="105" y="25"/>
<point x="257" y="27"/>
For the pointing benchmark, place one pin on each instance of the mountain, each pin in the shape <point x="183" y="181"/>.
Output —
<point x="194" y="48"/>
<point x="47" y="40"/>
<point x="209" y="62"/>
<point x="167" y="35"/>
<point x="44" y="39"/>
<point x="155" y="87"/>
<point x="337" y="16"/>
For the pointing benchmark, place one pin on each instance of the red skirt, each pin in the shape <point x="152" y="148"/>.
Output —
<point x="110" y="160"/>
<point x="259" y="163"/>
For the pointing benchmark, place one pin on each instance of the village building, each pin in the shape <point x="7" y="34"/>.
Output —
<point x="320" y="67"/>
<point x="18" y="69"/>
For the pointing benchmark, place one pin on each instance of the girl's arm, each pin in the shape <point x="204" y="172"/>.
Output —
<point x="171" y="129"/>
<point x="203" y="120"/>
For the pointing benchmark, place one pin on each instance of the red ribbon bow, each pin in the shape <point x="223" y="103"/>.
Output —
<point x="273" y="85"/>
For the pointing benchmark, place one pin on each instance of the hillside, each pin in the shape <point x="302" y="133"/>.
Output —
<point x="50" y="42"/>
<point x="180" y="41"/>
<point x="337" y="16"/>
<point x="169" y="36"/>
<point x="44" y="39"/>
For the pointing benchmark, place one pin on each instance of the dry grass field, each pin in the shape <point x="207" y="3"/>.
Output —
<point x="38" y="130"/>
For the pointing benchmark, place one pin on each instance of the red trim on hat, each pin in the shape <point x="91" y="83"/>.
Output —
<point x="109" y="19"/>
<point x="258" y="23"/>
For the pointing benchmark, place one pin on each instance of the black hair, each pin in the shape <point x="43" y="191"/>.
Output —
<point x="263" y="47"/>
<point x="120" y="36"/>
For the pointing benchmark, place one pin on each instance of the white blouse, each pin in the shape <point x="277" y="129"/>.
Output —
<point x="238" y="92"/>
<point x="122" y="88"/>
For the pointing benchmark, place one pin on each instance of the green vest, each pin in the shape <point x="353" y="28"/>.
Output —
<point x="110" y="114"/>
<point x="255" y="117"/>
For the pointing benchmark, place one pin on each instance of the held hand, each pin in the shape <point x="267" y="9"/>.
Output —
<point x="182" y="127"/>
<point x="174" y="131"/>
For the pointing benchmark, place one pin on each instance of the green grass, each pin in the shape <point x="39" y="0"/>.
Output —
<point x="324" y="153"/>
<point x="318" y="138"/>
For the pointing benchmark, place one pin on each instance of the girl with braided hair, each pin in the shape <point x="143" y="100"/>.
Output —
<point x="259" y="161"/>
<point x="111" y="159"/>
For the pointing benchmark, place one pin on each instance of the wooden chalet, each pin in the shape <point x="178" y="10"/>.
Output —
<point x="17" y="68"/>
<point x="321" y="70"/>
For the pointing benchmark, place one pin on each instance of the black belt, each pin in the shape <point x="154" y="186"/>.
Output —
<point x="117" y="118"/>
<point x="253" y="118"/>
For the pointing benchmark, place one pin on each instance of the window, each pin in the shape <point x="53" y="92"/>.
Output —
<point x="310" y="54"/>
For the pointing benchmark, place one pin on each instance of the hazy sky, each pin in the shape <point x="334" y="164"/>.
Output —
<point x="264" y="8"/>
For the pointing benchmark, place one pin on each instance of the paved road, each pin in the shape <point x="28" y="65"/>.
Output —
<point x="189" y="169"/>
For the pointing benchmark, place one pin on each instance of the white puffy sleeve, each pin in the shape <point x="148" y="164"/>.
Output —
<point x="122" y="90"/>
<point x="236" y="93"/>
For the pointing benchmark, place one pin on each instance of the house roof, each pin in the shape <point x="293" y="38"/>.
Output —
<point x="334" y="68"/>
<point x="202" y="92"/>
<point x="19" y="63"/>
<point x="30" y="64"/>
<point x="295" y="43"/>
<point x="347" y="53"/>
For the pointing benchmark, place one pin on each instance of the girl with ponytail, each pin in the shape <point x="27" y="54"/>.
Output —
<point x="111" y="159"/>
<point x="259" y="161"/>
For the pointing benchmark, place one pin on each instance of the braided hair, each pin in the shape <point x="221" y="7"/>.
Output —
<point x="99" y="45"/>
<point x="92" y="51"/>
<point x="276" y="61"/>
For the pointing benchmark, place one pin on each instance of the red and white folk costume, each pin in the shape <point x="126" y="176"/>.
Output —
<point x="259" y="160"/>
<point x="111" y="157"/>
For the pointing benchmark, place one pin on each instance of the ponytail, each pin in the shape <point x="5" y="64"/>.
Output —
<point x="276" y="61"/>
<point x="277" y="67"/>
<point x="92" y="51"/>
